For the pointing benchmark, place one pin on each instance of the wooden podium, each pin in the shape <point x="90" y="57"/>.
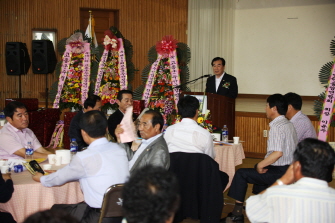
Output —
<point x="222" y="110"/>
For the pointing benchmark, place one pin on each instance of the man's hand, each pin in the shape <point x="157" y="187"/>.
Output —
<point x="37" y="177"/>
<point x="6" y="176"/>
<point x="119" y="130"/>
<point x="260" y="169"/>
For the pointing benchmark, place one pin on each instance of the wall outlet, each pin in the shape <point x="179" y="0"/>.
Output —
<point x="265" y="133"/>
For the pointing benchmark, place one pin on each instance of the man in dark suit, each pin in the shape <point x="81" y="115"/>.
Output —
<point x="221" y="83"/>
<point x="124" y="100"/>
<point x="93" y="102"/>
<point x="153" y="150"/>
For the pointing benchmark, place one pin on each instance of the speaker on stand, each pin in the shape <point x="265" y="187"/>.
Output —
<point x="17" y="60"/>
<point x="43" y="61"/>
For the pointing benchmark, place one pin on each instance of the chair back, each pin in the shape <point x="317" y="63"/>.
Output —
<point x="201" y="191"/>
<point x="112" y="202"/>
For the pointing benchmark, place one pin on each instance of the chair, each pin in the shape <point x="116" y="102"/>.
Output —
<point x="112" y="203"/>
<point x="201" y="190"/>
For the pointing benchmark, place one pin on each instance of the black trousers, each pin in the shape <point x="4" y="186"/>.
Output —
<point x="260" y="182"/>
<point x="84" y="213"/>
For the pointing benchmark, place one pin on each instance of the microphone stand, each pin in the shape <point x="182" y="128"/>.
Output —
<point x="188" y="82"/>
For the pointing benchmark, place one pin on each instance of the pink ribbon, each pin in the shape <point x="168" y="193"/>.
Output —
<point x="86" y="73"/>
<point x="62" y="77"/>
<point x="100" y="71"/>
<point x="150" y="81"/>
<point x="174" y="70"/>
<point x="122" y="66"/>
<point x="328" y="105"/>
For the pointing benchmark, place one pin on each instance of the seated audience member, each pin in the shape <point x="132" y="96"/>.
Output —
<point x="15" y="135"/>
<point x="281" y="143"/>
<point x="51" y="216"/>
<point x="187" y="136"/>
<point x="153" y="149"/>
<point x="302" y="194"/>
<point x="93" y="102"/>
<point x="150" y="196"/>
<point x="101" y="165"/>
<point x="124" y="100"/>
<point x="6" y="191"/>
<point x="301" y="122"/>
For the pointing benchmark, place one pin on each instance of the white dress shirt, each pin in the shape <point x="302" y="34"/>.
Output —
<point x="218" y="81"/>
<point x="188" y="137"/>
<point x="101" y="165"/>
<point x="141" y="148"/>
<point x="308" y="200"/>
<point x="282" y="138"/>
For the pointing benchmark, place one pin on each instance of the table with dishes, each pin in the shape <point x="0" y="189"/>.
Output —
<point x="30" y="196"/>
<point x="228" y="155"/>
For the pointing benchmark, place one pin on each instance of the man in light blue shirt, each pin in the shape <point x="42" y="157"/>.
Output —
<point x="101" y="165"/>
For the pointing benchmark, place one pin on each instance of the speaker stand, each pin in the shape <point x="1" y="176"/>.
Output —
<point x="46" y="91"/>
<point x="20" y="87"/>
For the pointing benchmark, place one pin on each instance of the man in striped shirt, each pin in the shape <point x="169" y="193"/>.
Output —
<point x="281" y="144"/>
<point x="303" y="194"/>
<point x="301" y="122"/>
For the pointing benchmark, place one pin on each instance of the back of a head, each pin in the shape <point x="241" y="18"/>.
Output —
<point x="294" y="100"/>
<point x="150" y="196"/>
<point x="157" y="118"/>
<point x="11" y="108"/>
<point x="91" y="100"/>
<point x="188" y="106"/>
<point x="94" y="123"/>
<point x="119" y="95"/>
<point x="279" y="101"/>
<point x="317" y="158"/>
<point x="51" y="216"/>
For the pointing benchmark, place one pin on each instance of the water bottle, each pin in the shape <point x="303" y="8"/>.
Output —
<point x="2" y="118"/>
<point x="225" y="133"/>
<point x="73" y="147"/>
<point x="29" y="151"/>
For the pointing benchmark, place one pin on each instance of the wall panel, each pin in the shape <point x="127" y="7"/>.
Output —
<point x="143" y="22"/>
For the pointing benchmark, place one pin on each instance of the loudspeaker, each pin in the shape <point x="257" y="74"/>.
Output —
<point x="44" y="57"/>
<point x="17" y="58"/>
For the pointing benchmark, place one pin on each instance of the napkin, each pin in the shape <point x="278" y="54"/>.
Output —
<point x="12" y="162"/>
<point x="128" y="126"/>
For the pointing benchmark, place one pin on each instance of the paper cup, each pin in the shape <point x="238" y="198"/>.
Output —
<point x="4" y="169"/>
<point x="58" y="160"/>
<point x="2" y="162"/>
<point x="236" y="140"/>
<point x="47" y="167"/>
<point x="52" y="158"/>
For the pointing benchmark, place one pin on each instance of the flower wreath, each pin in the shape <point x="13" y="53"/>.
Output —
<point x="74" y="79"/>
<point x="112" y="72"/>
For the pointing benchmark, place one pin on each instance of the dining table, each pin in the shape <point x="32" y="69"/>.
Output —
<point x="30" y="196"/>
<point x="228" y="156"/>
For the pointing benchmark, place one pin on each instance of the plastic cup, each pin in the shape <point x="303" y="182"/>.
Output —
<point x="236" y="140"/>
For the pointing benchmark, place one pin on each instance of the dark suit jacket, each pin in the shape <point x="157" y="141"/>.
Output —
<point x="156" y="154"/>
<point x="75" y="131"/>
<point x="230" y="91"/>
<point x="113" y="120"/>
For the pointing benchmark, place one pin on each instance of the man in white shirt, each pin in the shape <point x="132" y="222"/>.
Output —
<point x="101" y="165"/>
<point x="187" y="136"/>
<point x="301" y="122"/>
<point x="302" y="193"/>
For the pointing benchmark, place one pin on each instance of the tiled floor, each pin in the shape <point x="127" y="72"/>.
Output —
<point x="247" y="163"/>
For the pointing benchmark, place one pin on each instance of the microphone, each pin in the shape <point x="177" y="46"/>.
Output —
<point x="206" y="75"/>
